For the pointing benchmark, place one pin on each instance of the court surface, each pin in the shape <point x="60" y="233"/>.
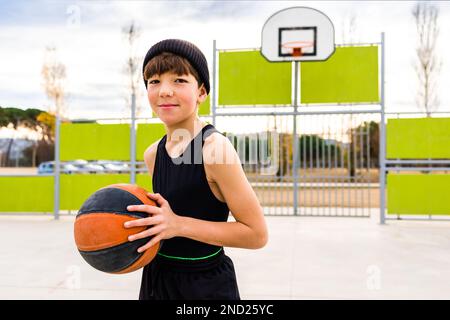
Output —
<point x="306" y="258"/>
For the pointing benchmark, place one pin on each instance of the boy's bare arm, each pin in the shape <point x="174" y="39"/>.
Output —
<point x="224" y="168"/>
<point x="247" y="231"/>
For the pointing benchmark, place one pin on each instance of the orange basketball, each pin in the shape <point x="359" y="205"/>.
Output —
<point x="100" y="236"/>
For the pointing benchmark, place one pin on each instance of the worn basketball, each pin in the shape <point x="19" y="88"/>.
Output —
<point x="99" y="231"/>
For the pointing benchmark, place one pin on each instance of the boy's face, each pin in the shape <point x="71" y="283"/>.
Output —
<point x="174" y="98"/>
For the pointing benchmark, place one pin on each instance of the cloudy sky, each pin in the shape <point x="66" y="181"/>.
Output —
<point x="87" y="35"/>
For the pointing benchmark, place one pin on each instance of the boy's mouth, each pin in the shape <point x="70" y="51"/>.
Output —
<point x="168" y="105"/>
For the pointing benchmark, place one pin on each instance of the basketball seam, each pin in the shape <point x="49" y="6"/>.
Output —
<point x="128" y="213"/>
<point x="126" y="188"/>
<point x="91" y="253"/>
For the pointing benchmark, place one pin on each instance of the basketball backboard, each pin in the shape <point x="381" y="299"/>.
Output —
<point x="297" y="34"/>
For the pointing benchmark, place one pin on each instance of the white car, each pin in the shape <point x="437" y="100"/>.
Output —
<point x="114" y="166"/>
<point x="92" y="168"/>
<point x="48" y="167"/>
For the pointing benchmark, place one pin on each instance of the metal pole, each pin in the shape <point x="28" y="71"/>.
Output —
<point x="133" y="139"/>
<point x="299" y="113"/>
<point x="382" y="154"/>
<point x="295" y="164"/>
<point x="56" y="169"/>
<point x="213" y="91"/>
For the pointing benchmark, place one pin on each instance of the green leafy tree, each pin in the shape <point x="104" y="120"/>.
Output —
<point x="364" y="146"/>
<point x="35" y="120"/>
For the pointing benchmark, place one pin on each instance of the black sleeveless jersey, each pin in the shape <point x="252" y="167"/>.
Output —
<point x="182" y="182"/>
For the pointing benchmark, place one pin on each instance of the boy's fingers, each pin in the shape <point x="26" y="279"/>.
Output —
<point x="140" y="222"/>
<point x="138" y="236"/>
<point x="150" y="244"/>
<point x="143" y="208"/>
<point x="159" y="198"/>
<point x="145" y="234"/>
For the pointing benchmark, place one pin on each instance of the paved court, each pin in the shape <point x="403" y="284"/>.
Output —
<point x="306" y="258"/>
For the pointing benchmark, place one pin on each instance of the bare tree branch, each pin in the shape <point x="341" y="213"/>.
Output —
<point x="54" y="80"/>
<point x="428" y="65"/>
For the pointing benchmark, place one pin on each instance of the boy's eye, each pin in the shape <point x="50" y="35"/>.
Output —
<point x="157" y="81"/>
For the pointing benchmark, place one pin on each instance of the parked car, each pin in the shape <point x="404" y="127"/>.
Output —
<point x="92" y="168"/>
<point x="86" y="167"/>
<point x="113" y="166"/>
<point x="79" y="162"/>
<point x="48" y="167"/>
<point x="69" y="168"/>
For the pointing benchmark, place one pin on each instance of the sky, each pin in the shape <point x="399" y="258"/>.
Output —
<point x="87" y="35"/>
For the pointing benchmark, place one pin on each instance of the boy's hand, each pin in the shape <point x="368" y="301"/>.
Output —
<point x="163" y="220"/>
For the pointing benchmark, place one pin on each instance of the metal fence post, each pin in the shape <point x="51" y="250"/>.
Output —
<point x="56" y="169"/>
<point x="295" y="146"/>
<point x="382" y="153"/>
<point x="133" y="139"/>
<point x="213" y="91"/>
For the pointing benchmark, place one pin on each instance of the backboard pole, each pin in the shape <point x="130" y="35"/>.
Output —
<point x="295" y="138"/>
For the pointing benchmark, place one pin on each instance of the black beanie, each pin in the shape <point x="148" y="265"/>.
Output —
<point x="184" y="49"/>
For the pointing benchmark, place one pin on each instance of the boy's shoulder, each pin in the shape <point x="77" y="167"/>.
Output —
<point x="216" y="139"/>
<point x="218" y="149"/>
<point x="152" y="148"/>
<point x="150" y="155"/>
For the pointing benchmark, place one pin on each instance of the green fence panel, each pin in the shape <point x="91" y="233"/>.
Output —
<point x="420" y="138"/>
<point x="26" y="194"/>
<point x="421" y="194"/>
<point x="147" y="134"/>
<point x="93" y="141"/>
<point x="144" y="181"/>
<point x="350" y="75"/>
<point x="76" y="188"/>
<point x="205" y="108"/>
<point x="247" y="78"/>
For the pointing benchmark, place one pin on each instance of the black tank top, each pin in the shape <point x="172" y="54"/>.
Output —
<point x="182" y="182"/>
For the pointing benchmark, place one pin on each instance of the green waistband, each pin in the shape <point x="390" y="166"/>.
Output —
<point x="184" y="258"/>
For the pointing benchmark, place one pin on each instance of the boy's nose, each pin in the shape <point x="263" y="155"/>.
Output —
<point x="165" y="90"/>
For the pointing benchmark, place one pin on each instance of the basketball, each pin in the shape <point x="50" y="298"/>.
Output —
<point x="99" y="231"/>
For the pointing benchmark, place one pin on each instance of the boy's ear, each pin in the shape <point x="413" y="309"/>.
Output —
<point x="202" y="94"/>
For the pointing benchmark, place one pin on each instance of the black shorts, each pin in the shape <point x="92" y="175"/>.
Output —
<point x="167" y="279"/>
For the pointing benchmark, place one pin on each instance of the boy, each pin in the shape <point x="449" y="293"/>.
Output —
<point x="197" y="182"/>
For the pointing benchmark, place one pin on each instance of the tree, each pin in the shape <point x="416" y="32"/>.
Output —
<point x="31" y="119"/>
<point x="428" y="65"/>
<point x="131" y="34"/>
<point x="45" y="147"/>
<point x="10" y="117"/>
<point x="364" y="146"/>
<point x="54" y="75"/>
<point x="285" y="154"/>
<point x="47" y="123"/>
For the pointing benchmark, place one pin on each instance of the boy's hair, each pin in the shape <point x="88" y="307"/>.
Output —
<point x="182" y="49"/>
<point x="169" y="62"/>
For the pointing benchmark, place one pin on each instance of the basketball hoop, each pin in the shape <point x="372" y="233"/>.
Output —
<point x="297" y="47"/>
<point x="297" y="34"/>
